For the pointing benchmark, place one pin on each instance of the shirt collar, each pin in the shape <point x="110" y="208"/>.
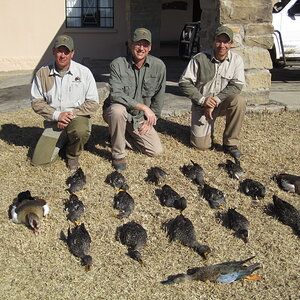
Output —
<point x="53" y="71"/>
<point x="214" y="59"/>
<point x="131" y="63"/>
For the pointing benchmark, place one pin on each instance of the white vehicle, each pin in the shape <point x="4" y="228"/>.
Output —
<point x="286" y="22"/>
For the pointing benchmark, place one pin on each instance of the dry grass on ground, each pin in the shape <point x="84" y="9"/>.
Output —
<point x="41" y="267"/>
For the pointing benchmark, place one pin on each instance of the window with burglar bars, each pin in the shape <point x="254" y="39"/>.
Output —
<point x="90" y="13"/>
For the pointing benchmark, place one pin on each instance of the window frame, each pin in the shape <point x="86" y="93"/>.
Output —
<point x="97" y="24"/>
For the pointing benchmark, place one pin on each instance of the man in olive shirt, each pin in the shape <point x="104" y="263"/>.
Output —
<point x="213" y="80"/>
<point x="137" y="84"/>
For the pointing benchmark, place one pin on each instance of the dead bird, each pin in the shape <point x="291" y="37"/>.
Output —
<point x="239" y="224"/>
<point x="75" y="208"/>
<point x="288" y="182"/>
<point x="156" y="175"/>
<point x="252" y="188"/>
<point x="182" y="229"/>
<point x="170" y="198"/>
<point x="233" y="169"/>
<point x="215" y="197"/>
<point x="286" y="213"/>
<point x="194" y="172"/>
<point x="124" y="202"/>
<point x="29" y="210"/>
<point x="79" y="242"/>
<point x="226" y="272"/>
<point x="134" y="236"/>
<point x="117" y="180"/>
<point x="76" y="181"/>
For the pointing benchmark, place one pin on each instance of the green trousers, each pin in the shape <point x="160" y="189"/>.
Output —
<point x="53" y="139"/>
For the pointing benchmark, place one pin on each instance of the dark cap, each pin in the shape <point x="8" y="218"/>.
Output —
<point x="224" y="30"/>
<point x="64" y="40"/>
<point x="141" y="34"/>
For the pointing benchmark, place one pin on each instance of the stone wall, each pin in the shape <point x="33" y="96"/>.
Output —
<point x="251" y="22"/>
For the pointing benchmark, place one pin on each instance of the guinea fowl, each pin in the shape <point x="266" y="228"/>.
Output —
<point x="156" y="175"/>
<point x="194" y="172"/>
<point x="29" y="210"/>
<point x="134" y="236"/>
<point x="182" y="229"/>
<point x="214" y="196"/>
<point x="252" y="188"/>
<point x="233" y="169"/>
<point x="123" y="202"/>
<point x="76" y="181"/>
<point x="239" y="224"/>
<point x="79" y="242"/>
<point x="170" y="198"/>
<point x="75" y="208"/>
<point x="287" y="214"/>
<point x="117" y="180"/>
<point x="226" y="272"/>
<point x="288" y="182"/>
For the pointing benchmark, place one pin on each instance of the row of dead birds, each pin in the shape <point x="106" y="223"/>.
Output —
<point x="29" y="210"/>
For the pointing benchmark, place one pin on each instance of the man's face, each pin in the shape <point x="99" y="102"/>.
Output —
<point x="62" y="57"/>
<point x="222" y="45"/>
<point x="140" y="50"/>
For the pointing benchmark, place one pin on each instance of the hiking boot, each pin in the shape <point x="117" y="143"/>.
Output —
<point x="72" y="164"/>
<point x="233" y="151"/>
<point x="119" y="163"/>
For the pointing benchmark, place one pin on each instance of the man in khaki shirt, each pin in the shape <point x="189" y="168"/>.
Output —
<point x="137" y="84"/>
<point x="213" y="80"/>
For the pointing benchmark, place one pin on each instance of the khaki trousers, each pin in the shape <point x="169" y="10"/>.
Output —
<point x="122" y="134"/>
<point x="233" y="108"/>
<point x="53" y="139"/>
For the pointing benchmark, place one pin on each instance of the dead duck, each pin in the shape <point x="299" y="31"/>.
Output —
<point x="233" y="169"/>
<point x="170" y="198"/>
<point x="288" y="182"/>
<point x="29" y="210"/>
<point x="287" y="214"/>
<point x="226" y="272"/>
<point x="252" y="188"/>
<point x="75" y="208"/>
<point x="215" y="197"/>
<point x="182" y="229"/>
<point x="156" y="175"/>
<point x="117" y="180"/>
<point x="194" y="172"/>
<point x="239" y="224"/>
<point x="76" y="181"/>
<point x="79" y="243"/>
<point x="124" y="202"/>
<point x="134" y="236"/>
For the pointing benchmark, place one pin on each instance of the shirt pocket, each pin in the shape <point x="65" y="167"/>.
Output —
<point x="149" y="86"/>
<point x="76" y="96"/>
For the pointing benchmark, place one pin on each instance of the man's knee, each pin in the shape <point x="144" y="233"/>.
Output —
<point x="237" y="100"/>
<point x="201" y="143"/>
<point x="117" y="112"/>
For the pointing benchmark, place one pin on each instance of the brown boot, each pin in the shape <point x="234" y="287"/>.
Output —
<point x="119" y="164"/>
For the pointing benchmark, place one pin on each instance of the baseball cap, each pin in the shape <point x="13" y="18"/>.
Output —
<point x="141" y="34"/>
<point x="224" y="30"/>
<point x="64" y="40"/>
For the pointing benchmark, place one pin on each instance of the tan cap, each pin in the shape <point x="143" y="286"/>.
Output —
<point x="64" y="40"/>
<point x="224" y="30"/>
<point x="141" y="34"/>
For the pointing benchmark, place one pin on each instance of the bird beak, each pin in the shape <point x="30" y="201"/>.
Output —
<point x="253" y="277"/>
<point x="221" y="207"/>
<point x="87" y="268"/>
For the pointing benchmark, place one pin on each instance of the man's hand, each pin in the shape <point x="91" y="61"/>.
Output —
<point x="150" y="118"/>
<point x="209" y="105"/>
<point x="64" y="119"/>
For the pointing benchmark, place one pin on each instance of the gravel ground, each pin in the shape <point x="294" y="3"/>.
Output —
<point x="41" y="267"/>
